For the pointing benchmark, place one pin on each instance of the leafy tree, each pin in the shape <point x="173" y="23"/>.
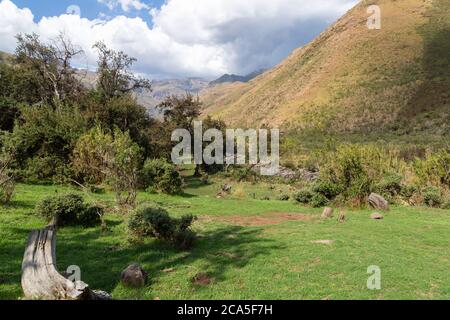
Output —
<point x="47" y="135"/>
<point x="180" y="112"/>
<point x="51" y="65"/>
<point x="115" y="77"/>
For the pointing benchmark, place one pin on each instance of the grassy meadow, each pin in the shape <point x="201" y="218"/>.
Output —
<point x="247" y="248"/>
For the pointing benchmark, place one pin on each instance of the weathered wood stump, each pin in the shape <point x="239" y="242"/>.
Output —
<point x="41" y="279"/>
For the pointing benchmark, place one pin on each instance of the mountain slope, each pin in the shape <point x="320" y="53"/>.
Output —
<point x="226" y="78"/>
<point x="352" y="79"/>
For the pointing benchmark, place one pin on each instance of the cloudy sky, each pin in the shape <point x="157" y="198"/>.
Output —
<point x="177" y="38"/>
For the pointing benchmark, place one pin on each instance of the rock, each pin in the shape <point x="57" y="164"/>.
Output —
<point x="341" y="217"/>
<point x="226" y="188"/>
<point x="327" y="213"/>
<point x="307" y="175"/>
<point x="378" y="202"/>
<point x="134" y="276"/>
<point x="325" y="242"/>
<point x="376" y="216"/>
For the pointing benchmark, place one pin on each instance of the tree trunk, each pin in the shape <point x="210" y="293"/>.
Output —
<point x="41" y="279"/>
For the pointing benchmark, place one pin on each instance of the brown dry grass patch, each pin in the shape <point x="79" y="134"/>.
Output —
<point x="268" y="219"/>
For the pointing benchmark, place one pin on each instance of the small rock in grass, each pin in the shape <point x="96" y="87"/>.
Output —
<point x="376" y="216"/>
<point x="327" y="213"/>
<point x="326" y="242"/>
<point x="134" y="276"/>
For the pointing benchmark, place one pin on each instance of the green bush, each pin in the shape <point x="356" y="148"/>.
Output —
<point x="318" y="200"/>
<point x="69" y="210"/>
<point x="432" y="197"/>
<point x="159" y="175"/>
<point x="304" y="196"/>
<point x="434" y="169"/>
<point x="390" y="186"/>
<point x="327" y="188"/>
<point x="446" y="205"/>
<point x="155" y="222"/>
<point x="6" y="190"/>
<point x="283" y="197"/>
<point x="408" y="191"/>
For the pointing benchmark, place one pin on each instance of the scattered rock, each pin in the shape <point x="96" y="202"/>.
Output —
<point x="169" y="270"/>
<point x="326" y="242"/>
<point x="327" y="213"/>
<point x="378" y="202"/>
<point x="227" y="188"/>
<point x="201" y="279"/>
<point x="341" y="217"/>
<point x="376" y="216"/>
<point x="102" y="295"/>
<point x="307" y="175"/>
<point x="133" y="276"/>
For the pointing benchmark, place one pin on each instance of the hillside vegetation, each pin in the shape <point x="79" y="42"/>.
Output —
<point x="351" y="79"/>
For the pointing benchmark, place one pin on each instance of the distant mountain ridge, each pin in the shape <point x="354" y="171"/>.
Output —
<point x="230" y="78"/>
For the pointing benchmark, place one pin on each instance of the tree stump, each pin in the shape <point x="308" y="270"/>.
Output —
<point x="41" y="279"/>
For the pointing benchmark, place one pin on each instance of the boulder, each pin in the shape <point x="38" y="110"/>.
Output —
<point x="376" y="216"/>
<point x="327" y="213"/>
<point x="133" y="276"/>
<point x="378" y="202"/>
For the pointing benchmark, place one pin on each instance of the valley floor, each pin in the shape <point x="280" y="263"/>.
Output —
<point x="248" y="249"/>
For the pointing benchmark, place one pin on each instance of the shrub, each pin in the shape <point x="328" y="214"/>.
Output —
<point x="304" y="196"/>
<point x="113" y="157"/>
<point x="7" y="183"/>
<point x="355" y="169"/>
<point x="434" y="169"/>
<point x="432" y="197"/>
<point x="159" y="175"/>
<point x="155" y="222"/>
<point x="69" y="209"/>
<point x="283" y="197"/>
<point x="408" y="191"/>
<point x="327" y="188"/>
<point x="318" y="200"/>
<point x="7" y="186"/>
<point x="390" y="186"/>
<point x="446" y="205"/>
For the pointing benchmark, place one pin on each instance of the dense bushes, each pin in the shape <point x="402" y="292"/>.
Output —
<point x="155" y="222"/>
<point x="432" y="197"/>
<point x="69" y="210"/>
<point x="351" y="172"/>
<point x="159" y="175"/>
<point x="112" y="157"/>
<point x="434" y="169"/>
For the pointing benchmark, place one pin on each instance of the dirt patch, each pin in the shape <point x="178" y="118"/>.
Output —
<point x="201" y="279"/>
<point x="272" y="218"/>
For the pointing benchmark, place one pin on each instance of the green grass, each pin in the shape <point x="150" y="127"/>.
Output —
<point x="276" y="261"/>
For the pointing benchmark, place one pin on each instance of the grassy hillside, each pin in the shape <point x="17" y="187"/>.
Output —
<point x="352" y="79"/>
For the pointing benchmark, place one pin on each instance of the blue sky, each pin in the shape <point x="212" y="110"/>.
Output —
<point x="177" y="38"/>
<point x="89" y="8"/>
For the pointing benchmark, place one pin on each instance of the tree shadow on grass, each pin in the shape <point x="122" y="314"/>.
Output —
<point x="102" y="256"/>
<point x="219" y="250"/>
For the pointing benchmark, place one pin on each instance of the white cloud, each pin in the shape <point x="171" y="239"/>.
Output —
<point x="126" y="5"/>
<point x="189" y="38"/>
